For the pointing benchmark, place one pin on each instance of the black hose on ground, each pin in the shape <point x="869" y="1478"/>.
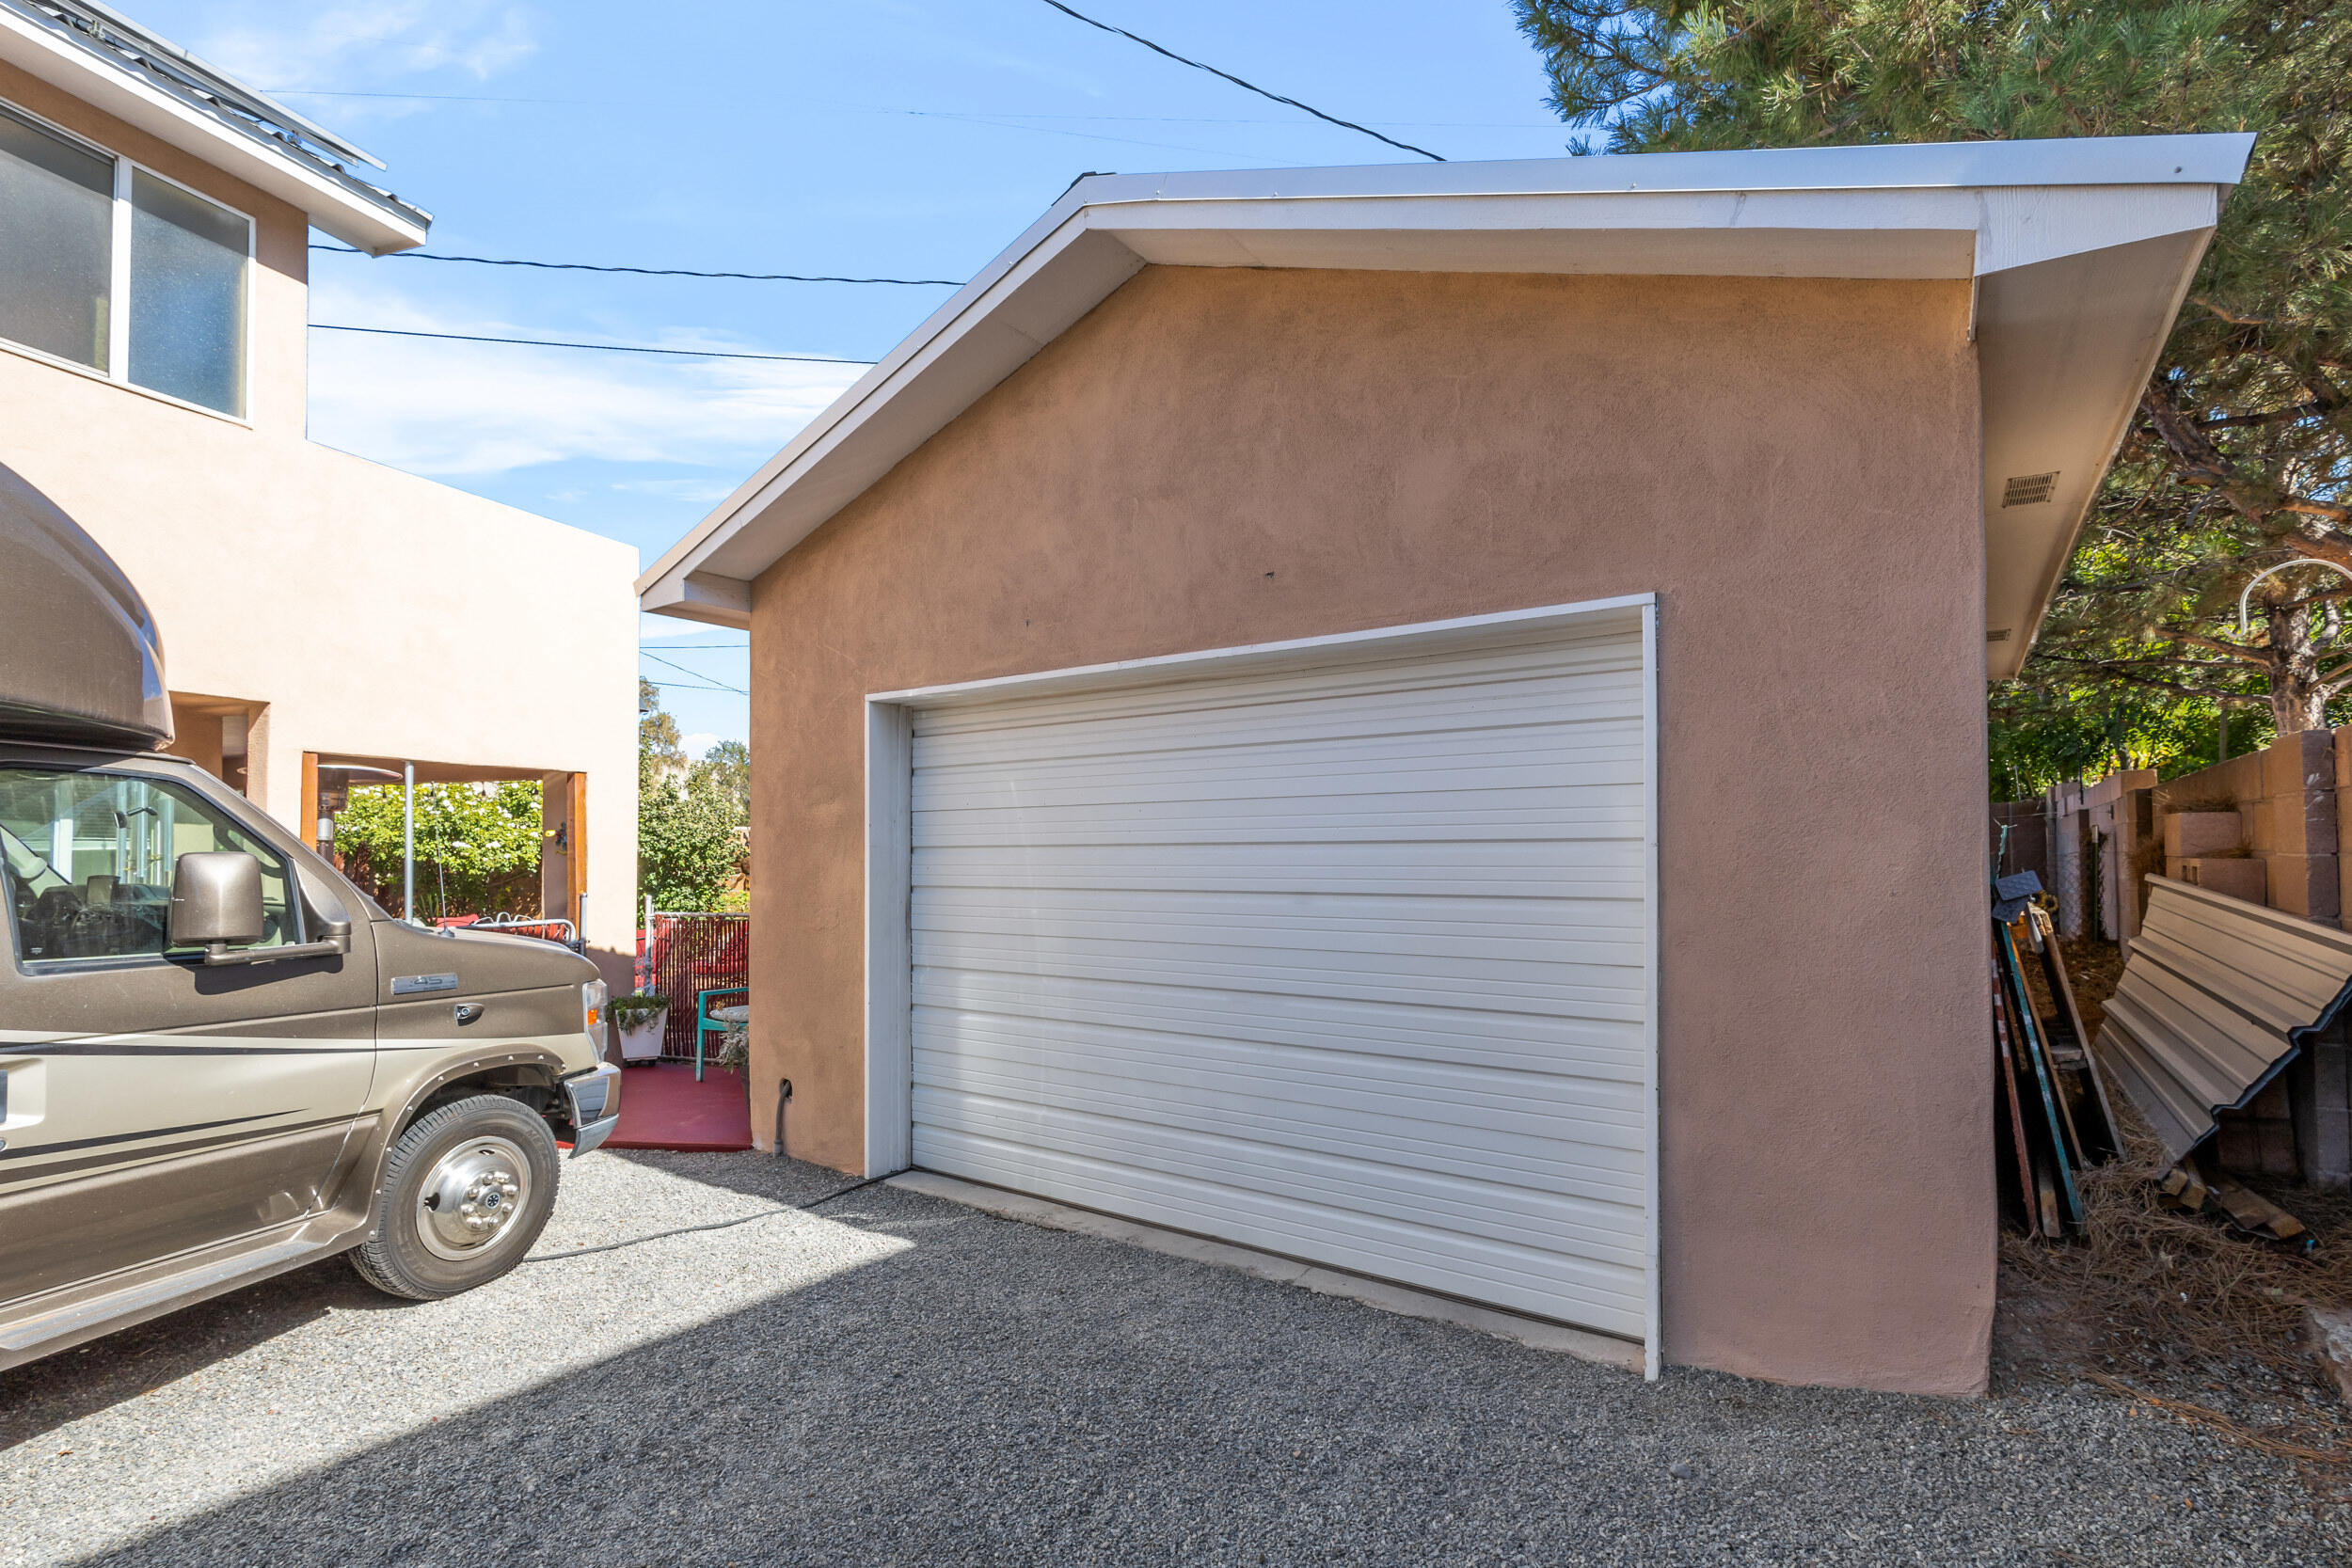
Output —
<point x="715" y="1225"/>
<point x="783" y="1092"/>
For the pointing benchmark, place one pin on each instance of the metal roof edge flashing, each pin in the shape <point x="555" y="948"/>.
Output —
<point x="141" y="61"/>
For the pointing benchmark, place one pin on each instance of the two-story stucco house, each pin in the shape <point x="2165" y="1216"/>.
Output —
<point x="321" y="615"/>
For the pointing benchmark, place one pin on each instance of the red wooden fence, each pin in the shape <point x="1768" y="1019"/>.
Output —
<point x="686" y="954"/>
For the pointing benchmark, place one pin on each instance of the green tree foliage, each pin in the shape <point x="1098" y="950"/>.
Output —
<point x="2241" y="455"/>
<point x="477" y="847"/>
<point x="657" y="744"/>
<point x="692" y="817"/>
<point x="727" y="768"/>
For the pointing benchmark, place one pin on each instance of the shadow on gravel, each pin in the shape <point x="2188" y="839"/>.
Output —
<point x="43" y="1395"/>
<point x="1003" y="1394"/>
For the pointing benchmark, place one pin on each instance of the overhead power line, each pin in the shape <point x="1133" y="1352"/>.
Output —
<point x="1197" y="65"/>
<point x="687" y="686"/>
<point x="642" y="271"/>
<point x="698" y="675"/>
<point x="602" y="348"/>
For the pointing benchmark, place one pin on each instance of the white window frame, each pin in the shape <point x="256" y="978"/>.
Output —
<point x="889" y="1067"/>
<point x="118" y="370"/>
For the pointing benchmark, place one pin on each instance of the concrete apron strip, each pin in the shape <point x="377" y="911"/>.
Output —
<point x="1282" y="1271"/>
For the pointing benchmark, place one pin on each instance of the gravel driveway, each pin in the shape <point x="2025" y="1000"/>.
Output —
<point x="895" y="1379"/>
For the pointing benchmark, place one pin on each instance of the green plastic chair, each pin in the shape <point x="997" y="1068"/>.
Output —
<point x="705" y="1024"/>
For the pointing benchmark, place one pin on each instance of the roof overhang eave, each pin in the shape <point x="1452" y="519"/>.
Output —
<point x="2080" y="253"/>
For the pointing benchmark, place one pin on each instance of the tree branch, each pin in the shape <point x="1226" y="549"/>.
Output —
<point x="2233" y="318"/>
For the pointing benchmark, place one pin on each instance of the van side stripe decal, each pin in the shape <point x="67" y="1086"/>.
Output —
<point x="129" y="1138"/>
<point x="108" y="1048"/>
<point x="133" y="1159"/>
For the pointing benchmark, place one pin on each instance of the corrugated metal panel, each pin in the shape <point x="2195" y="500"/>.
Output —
<point x="1348" y="964"/>
<point x="2216" y="997"/>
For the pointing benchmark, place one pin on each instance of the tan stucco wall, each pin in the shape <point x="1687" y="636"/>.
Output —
<point x="373" y="612"/>
<point x="1219" y="457"/>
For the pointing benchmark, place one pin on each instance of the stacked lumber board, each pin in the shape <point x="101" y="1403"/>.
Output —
<point x="2051" y="1105"/>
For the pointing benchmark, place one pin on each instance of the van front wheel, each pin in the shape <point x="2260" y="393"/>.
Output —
<point x="464" y="1194"/>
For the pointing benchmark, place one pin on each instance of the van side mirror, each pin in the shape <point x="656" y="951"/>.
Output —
<point x="215" y="898"/>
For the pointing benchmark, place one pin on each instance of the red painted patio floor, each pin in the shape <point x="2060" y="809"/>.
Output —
<point x="662" y="1107"/>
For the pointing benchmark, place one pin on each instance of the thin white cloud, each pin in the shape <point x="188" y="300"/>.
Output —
<point x="456" y="408"/>
<point x="348" y="46"/>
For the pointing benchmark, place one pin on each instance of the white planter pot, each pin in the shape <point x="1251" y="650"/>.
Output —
<point x="642" y="1041"/>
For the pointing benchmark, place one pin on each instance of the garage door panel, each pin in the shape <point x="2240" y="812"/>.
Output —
<point x="1350" y="961"/>
<point x="1584" y="665"/>
<point x="1597" y="732"/>
<point x="1489" y="911"/>
<point x="1585" y="1179"/>
<point x="1439" y="1205"/>
<point x="1286" y="772"/>
<point x="1311" y="917"/>
<point x="1586" y="1173"/>
<point x="1269" y="978"/>
<point x="1485" y="1111"/>
<point x="1316" y="967"/>
<point x="1535" y="812"/>
<point x="1584" y="1047"/>
<point x="1589" y="1292"/>
<point x="958" y="936"/>
<point x="1510" y="870"/>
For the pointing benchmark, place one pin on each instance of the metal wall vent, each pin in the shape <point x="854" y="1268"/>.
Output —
<point x="2000" y="636"/>
<point x="2029" y="489"/>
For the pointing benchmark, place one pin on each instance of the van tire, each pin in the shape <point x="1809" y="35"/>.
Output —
<point x="464" y="1194"/>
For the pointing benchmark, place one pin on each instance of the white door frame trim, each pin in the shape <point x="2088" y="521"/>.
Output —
<point x="889" y="866"/>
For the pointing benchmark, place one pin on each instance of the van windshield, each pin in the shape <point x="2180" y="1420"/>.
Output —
<point x="87" y="861"/>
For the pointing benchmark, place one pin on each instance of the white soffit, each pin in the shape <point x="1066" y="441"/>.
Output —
<point x="2083" y="251"/>
<point x="336" y="203"/>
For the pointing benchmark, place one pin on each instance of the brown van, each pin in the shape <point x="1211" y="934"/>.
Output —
<point x="219" y="1059"/>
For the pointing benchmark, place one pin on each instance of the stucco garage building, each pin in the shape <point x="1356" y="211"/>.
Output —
<point x="1430" y="719"/>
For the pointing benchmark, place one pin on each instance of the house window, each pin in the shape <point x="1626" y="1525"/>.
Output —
<point x="56" y="243"/>
<point x="110" y="267"/>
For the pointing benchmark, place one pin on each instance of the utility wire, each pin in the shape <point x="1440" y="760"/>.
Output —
<point x="682" y="685"/>
<point x="696" y="673"/>
<point x="642" y="271"/>
<point x="1197" y="65"/>
<point x="606" y="348"/>
<point x="715" y="1225"/>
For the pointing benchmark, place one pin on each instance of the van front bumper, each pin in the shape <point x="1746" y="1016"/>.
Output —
<point x="595" y="1097"/>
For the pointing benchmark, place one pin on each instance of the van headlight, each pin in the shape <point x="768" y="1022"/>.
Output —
<point x="592" y="999"/>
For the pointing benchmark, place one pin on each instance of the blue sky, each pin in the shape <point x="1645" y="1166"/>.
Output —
<point x="888" y="137"/>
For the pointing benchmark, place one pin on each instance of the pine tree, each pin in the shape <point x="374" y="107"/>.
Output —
<point x="2241" y="455"/>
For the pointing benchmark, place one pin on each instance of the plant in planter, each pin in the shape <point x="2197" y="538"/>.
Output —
<point x="641" y="1020"/>
<point x="735" y="1047"/>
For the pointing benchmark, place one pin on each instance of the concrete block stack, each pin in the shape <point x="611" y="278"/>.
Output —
<point x="2295" y="826"/>
<point x="2212" y="850"/>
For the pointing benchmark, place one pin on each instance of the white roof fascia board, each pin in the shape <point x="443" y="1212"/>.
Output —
<point x="332" y="206"/>
<point x="1948" y="210"/>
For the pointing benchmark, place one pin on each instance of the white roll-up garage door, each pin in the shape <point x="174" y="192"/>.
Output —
<point x="1346" y="960"/>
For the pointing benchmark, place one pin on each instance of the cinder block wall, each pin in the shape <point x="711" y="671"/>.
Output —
<point x="2284" y="798"/>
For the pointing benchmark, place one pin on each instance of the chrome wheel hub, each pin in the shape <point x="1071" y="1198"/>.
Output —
<point x="471" y="1198"/>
